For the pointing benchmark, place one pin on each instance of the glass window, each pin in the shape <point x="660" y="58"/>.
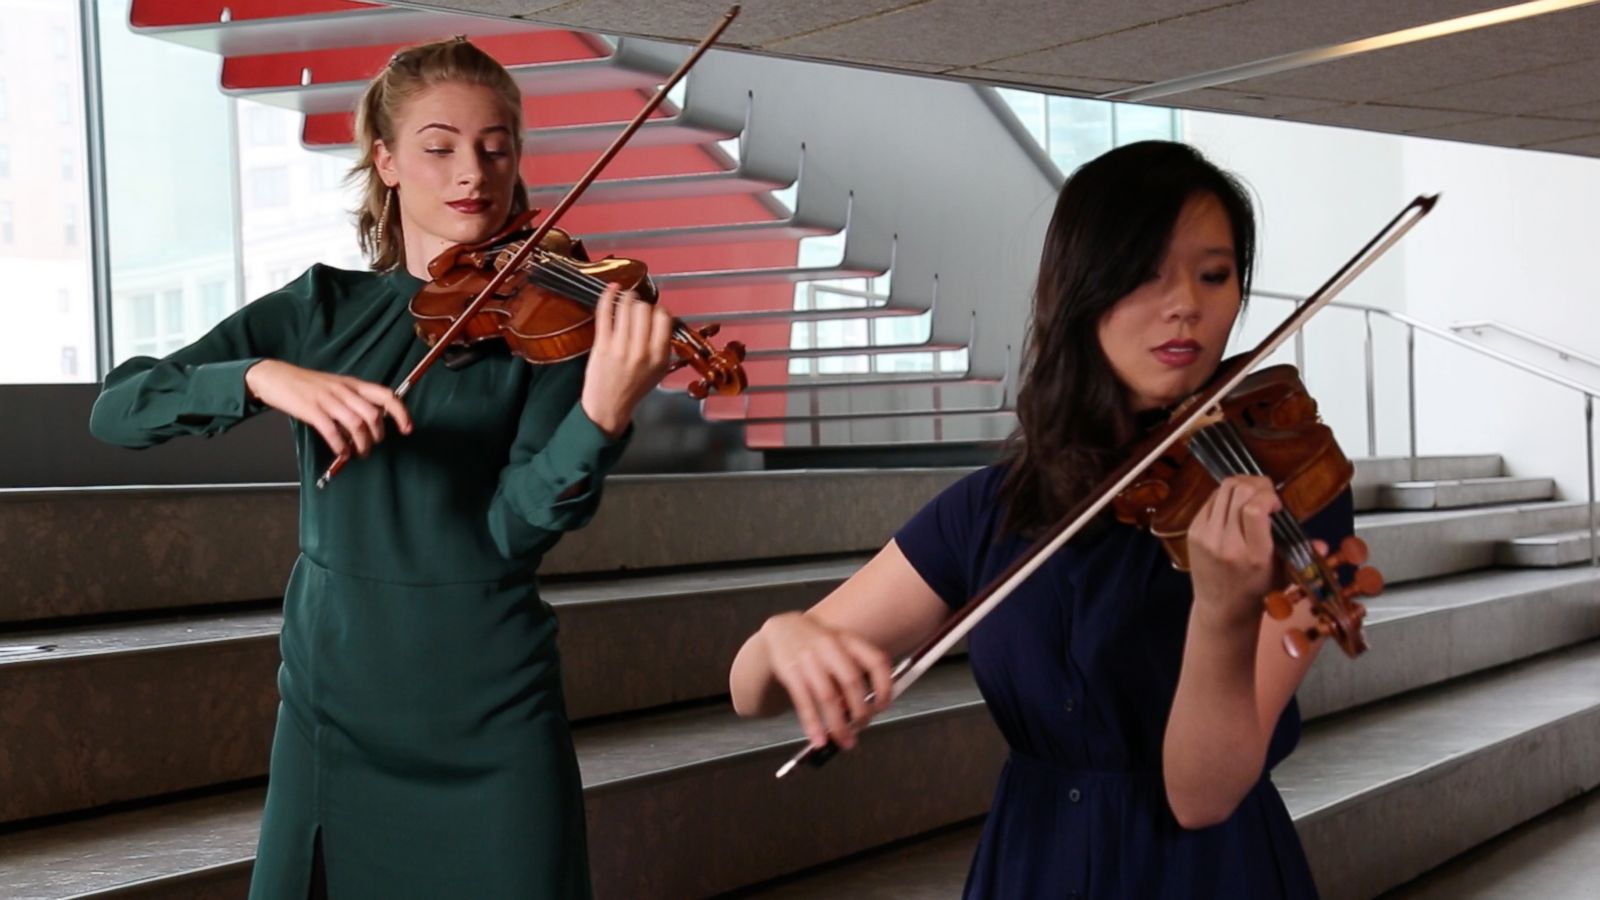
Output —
<point x="144" y="317"/>
<point x="1029" y="107"/>
<point x="69" y="163"/>
<point x="214" y="305"/>
<point x="269" y="187"/>
<point x="43" y="250"/>
<point x="190" y="173"/>
<point x="5" y="161"/>
<point x="1080" y="130"/>
<point x="1144" y="123"/>
<point x="264" y="128"/>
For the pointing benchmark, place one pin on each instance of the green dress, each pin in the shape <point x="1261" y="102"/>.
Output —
<point x="422" y="729"/>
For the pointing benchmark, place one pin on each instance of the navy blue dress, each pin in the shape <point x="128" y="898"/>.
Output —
<point x="1079" y="668"/>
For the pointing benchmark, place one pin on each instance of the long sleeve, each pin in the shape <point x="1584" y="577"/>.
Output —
<point x="558" y="461"/>
<point x="200" y="389"/>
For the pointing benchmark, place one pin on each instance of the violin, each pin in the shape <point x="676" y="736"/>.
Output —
<point x="547" y="315"/>
<point x="540" y="299"/>
<point x="1268" y="426"/>
<point x="1239" y="423"/>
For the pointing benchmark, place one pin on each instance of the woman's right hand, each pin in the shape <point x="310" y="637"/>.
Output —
<point x="344" y="410"/>
<point x="825" y="671"/>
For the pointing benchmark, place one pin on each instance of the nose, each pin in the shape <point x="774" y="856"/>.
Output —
<point x="1182" y="303"/>
<point x="470" y="172"/>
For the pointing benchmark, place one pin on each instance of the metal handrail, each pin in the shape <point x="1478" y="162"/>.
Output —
<point x="1561" y="350"/>
<point x="1412" y="327"/>
<point x="1410" y="351"/>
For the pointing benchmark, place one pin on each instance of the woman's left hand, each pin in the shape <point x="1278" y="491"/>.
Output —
<point x="631" y="353"/>
<point x="1230" y="549"/>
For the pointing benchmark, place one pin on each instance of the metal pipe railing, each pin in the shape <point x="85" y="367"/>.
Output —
<point x="1412" y="327"/>
<point x="1567" y="354"/>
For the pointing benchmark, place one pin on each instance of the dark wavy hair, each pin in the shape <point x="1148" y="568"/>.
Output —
<point x="1108" y="234"/>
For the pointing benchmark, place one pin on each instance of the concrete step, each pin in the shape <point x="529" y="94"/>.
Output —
<point x="1407" y="546"/>
<point x="222" y="544"/>
<point x="927" y="867"/>
<point x="1428" y="632"/>
<point x="110" y="713"/>
<point x="1382" y="794"/>
<point x="1374" y="472"/>
<point x="191" y="848"/>
<point x="1551" y="857"/>
<point x="1463" y="492"/>
<point x="928" y="763"/>
<point x="228" y="544"/>
<point x="43" y="531"/>
<point x="165" y="705"/>
<point x="1562" y="548"/>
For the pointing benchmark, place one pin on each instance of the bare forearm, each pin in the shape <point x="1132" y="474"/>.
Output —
<point x="755" y="691"/>
<point x="1215" y="746"/>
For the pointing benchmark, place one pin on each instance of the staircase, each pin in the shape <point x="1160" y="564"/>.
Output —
<point x="138" y="694"/>
<point x="719" y="190"/>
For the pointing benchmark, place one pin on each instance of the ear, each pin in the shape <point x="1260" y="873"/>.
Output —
<point x="384" y="161"/>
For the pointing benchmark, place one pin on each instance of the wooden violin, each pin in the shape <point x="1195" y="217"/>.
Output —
<point x="502" y="275"/>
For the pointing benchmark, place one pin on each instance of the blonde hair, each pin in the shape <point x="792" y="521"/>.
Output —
<point x="410" y="72"/>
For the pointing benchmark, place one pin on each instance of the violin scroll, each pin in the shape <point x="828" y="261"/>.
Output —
<point x="1339" y="618"/>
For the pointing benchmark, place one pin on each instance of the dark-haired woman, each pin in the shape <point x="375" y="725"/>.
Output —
<point x="1144" y="707"/>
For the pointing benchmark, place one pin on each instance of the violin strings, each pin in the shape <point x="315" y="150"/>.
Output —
<point x="1208" y="444"/>
<point x="1233" y="435"/>
<point x="1230" y="438"/>
<point x="573" y="276"/>
<point x="1312" y="560"/>
<point x="1231" y="444"/>
<point x="557" y="274"/>
<point x="1220" y="466"/>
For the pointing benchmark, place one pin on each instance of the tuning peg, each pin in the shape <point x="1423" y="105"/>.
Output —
<point x="1297" y="642"/>
<point x="1280" y="604"/>
<point x="1368" y="582"/>
<point x="1352" y="552"/>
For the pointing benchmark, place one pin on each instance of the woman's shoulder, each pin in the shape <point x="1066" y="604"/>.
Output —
<point x="979" y="488"/>
<point x="322" y="278"/>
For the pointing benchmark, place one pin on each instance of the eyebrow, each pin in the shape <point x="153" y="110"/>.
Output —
<point x="1218" y="251"/>
<point x="454" y="130"/>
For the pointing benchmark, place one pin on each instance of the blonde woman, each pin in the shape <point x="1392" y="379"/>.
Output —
<point x="422" y="746"/>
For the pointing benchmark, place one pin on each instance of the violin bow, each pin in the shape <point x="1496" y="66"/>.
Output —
<point x="1199" y="406"/>
<point x="513" y="264"/>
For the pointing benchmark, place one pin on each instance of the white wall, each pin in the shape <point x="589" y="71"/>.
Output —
<point x="1514" y="238"/>
<point x="1321" y="194"/>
